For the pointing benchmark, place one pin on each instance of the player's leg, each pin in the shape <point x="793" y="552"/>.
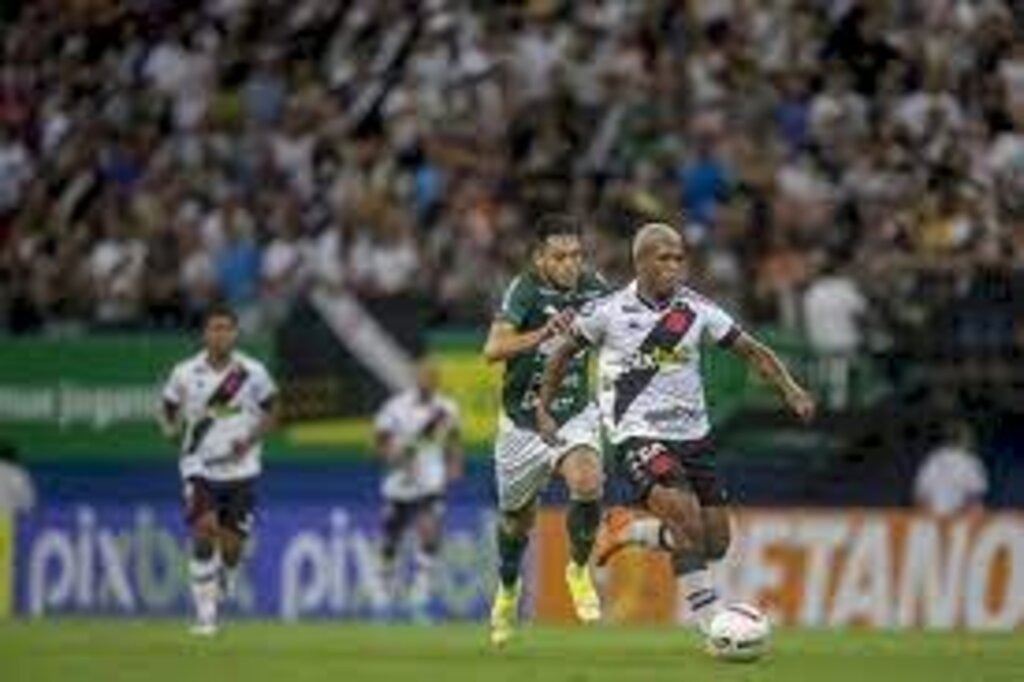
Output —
<point x="234" y="518"/>
<point x="678" y="507"/>
<point x="395" y="519"/>
<point x="204" y="564"/>
<point x="582" y="472"/>
<point x="717" y="532"/>
<point x="675" y="482"/>
<point x="513" y="538"/>
<point x="522" y="465"/>
<point x="429" y="518"/>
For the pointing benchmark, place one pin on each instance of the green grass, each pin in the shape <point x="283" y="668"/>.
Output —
<point x="107" y="651"/>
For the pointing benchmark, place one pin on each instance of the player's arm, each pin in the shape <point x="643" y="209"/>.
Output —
<point x="506" y="338"/>
<point x="267" y="422"/>
<point x="505" y="341"/>
<point x="169" y="414"/>
<point x="169" y="418"/>
<point x="551" y="380"/>
<point x="387" y="444"/>
<point x="763" y="360"/>
<point x="453" y="453"/>
<point x="387" y="447"/>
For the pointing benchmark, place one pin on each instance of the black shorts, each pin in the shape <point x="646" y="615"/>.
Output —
<point x="232" y="501"/>
<point x="399" y="514"/>
<point x="645" y="462"/>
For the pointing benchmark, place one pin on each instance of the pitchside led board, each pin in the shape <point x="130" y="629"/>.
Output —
<point x="808" y="568"/>
<point x="831" y="569"/>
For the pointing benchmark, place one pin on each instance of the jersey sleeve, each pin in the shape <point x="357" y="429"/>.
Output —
<point x="719" y="325"/>
<point x="264" y="386"/>
<point x="174" y="388"/>
<point x="515" y="303"/>
<point x="591" y="324"/>
<point x="386" y="419"/>
<point x="452" y="409"/>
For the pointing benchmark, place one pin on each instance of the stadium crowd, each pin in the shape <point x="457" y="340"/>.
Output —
<point x="832" y="160"/>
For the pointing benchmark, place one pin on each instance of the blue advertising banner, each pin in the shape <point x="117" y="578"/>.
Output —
<point x="304" y="562"/>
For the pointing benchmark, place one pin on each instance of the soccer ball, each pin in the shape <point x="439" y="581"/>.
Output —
<point x="738" y="633"/>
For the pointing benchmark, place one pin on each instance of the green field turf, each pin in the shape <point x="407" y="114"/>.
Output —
<point x="107" y="651"/>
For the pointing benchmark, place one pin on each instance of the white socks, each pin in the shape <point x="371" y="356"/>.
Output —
<point x="698" y="597"/>
<point x="423" y="581"/>
<point x="203" y="574"/>
<point x="229" y="582"/>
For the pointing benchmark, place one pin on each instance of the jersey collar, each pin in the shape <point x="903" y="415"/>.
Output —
<point x="650" y="304"/>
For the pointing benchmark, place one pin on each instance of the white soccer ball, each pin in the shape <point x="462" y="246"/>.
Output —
<point x="739" y="633"/>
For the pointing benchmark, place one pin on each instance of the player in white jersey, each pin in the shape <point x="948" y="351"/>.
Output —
<point x="649" y="337"/>
<point x="220" y="403"/>
<point x="417" y="437"/>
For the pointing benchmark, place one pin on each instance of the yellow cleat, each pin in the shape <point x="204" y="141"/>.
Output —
<point x="504" y="612"/>
<point x="584" y="595"/>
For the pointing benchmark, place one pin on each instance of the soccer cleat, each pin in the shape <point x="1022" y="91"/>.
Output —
<point x="611" y="536"/>
<point x="583" y="593"/>
<point x="503" y="613"/>
<point x="204" y="629"/>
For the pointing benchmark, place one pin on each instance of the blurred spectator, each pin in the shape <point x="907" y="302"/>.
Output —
<point x="952" y="479"/>
<point x="834" y="314"/>
<point x="17" y="493"/>
<point x="228" y="150"/>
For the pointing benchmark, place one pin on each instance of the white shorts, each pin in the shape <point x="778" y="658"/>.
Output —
<point x="523" y="462"/>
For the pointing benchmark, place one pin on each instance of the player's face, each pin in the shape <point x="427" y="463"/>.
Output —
<point x="560" y="260"/>
<point x="426" y="378"/>
<point x="663" y="268"/>
<point x="219" y="335"/>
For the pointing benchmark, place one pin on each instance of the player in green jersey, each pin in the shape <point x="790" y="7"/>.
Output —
<point x="537" y="308"/>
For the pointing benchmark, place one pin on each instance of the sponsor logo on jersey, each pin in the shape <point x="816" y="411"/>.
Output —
<point x="671" y="414"/>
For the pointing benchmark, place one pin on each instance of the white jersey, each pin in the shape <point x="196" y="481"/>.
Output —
<point x="649" y="381"/>
<point x="219" y="407"/>
<point x="422" y="428"/>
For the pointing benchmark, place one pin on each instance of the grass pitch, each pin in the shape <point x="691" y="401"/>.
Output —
<point x="163" y="651"/>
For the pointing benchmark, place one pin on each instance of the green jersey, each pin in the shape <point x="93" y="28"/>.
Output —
<point x="528" y="303"/>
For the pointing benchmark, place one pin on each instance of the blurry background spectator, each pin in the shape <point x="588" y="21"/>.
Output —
<point x="155" y="157"/>
<point x="952" y="479"/>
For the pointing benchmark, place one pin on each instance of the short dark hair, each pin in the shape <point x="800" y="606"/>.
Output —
<point x="219" y="310"/>
<point x="556" y="225"/>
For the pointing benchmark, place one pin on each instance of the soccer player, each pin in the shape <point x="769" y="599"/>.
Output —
<point x="221" y="403"/>
<point x="417" y="437"/>
<point x="537" y="308"/>
<point x="649" y="337"/>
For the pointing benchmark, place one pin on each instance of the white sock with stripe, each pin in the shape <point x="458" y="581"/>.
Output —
<point x="696" y="592"/>
<point x="203" y="574"/>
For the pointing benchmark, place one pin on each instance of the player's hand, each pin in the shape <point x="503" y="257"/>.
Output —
<point x="802" y="404"/>
<point x="559" y="323"/>
<point x="547" y="426"/>
<point x="171" y="430"/>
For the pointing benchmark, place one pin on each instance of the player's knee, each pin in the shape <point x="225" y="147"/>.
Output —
<point x="585" y="479"/>
<point x="717" y="543"/>
<point x="203" y="547"/>
<point x="205" y="527"/>
<point x="517" y="523"/>
<point x="587" y="485"/>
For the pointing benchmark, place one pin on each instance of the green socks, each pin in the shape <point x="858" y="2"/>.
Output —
<point x="582" y="520"/>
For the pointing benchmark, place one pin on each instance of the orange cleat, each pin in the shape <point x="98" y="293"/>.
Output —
<point x="611" y="537"/>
